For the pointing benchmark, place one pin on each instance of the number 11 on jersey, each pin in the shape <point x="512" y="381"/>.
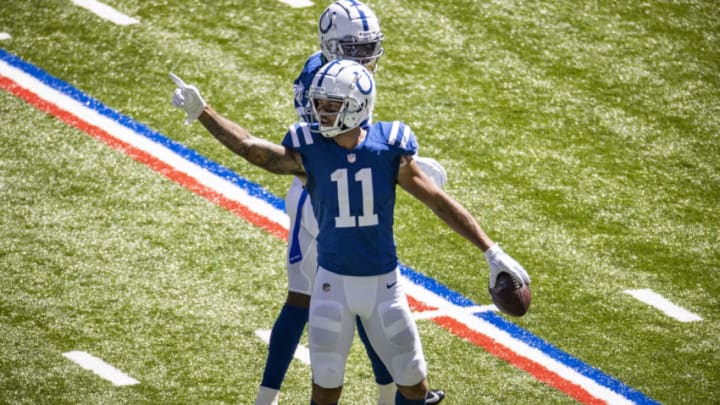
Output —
<point x="345" y="220"/>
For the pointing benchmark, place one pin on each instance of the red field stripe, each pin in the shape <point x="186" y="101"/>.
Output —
<point x="493" y="347"/>
<point x="418" y="306"/>
<point x="538" y="371"/>
<point x="145" y="158"/>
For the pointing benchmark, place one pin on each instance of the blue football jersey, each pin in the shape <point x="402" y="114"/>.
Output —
<point x="353" y="194"/>
<point x="302" y="84"/>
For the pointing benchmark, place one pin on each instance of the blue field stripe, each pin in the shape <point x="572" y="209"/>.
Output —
<point x="566" y="359"/>
<point x="527" y="337"/>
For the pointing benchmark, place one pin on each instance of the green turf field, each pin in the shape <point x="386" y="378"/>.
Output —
<point x="584" y="135"/>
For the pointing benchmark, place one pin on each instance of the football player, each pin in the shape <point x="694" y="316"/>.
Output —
<point x="351" y="173"/>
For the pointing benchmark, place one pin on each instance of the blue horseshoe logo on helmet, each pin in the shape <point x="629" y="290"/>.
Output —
<point x="330" y="22"/>
<point x="370" y="88"/>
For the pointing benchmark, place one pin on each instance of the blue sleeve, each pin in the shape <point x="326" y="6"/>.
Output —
<point x="412" y="146"/>
<point x="298" y="136"/>
<point x="399" y="135"/>
<point x="287" y="141"/>
<point x="302" y="84"/>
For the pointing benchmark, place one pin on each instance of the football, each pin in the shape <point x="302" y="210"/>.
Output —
<point x="509" y="297"/>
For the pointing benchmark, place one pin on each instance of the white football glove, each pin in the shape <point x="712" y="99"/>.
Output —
<point x="501" y="262"/>
<point x="433" y="169"/>
<point x="187" y="98"/>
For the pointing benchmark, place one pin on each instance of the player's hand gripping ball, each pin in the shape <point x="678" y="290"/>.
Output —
<point x="509" y="297"/>
<point x="509" y="284"/>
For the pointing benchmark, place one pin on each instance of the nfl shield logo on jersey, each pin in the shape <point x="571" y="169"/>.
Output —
<point x="351" y="157"/>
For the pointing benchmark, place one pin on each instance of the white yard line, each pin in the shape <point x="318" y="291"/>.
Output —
<point x="301" y="352"/>
<point x="297" y="3"/>
<point x="656" y="300"/>
<point x="4" y="36"/>
<point x="106" y="12"/>
<point x="475" y="309"/>
<point x="101" y="368"/>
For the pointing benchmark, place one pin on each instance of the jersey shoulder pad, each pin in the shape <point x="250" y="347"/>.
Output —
<point x="398" y="134"/>
<point x="299" y="135"/>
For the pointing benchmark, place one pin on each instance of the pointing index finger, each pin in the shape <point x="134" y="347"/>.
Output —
<point x="178" y="81"/>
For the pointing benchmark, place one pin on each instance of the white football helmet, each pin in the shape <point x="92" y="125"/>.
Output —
<point x="349" y="29"/>
<point x="348" y="83"/>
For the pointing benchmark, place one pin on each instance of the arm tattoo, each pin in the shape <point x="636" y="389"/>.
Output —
<point x="260" y="152"/>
